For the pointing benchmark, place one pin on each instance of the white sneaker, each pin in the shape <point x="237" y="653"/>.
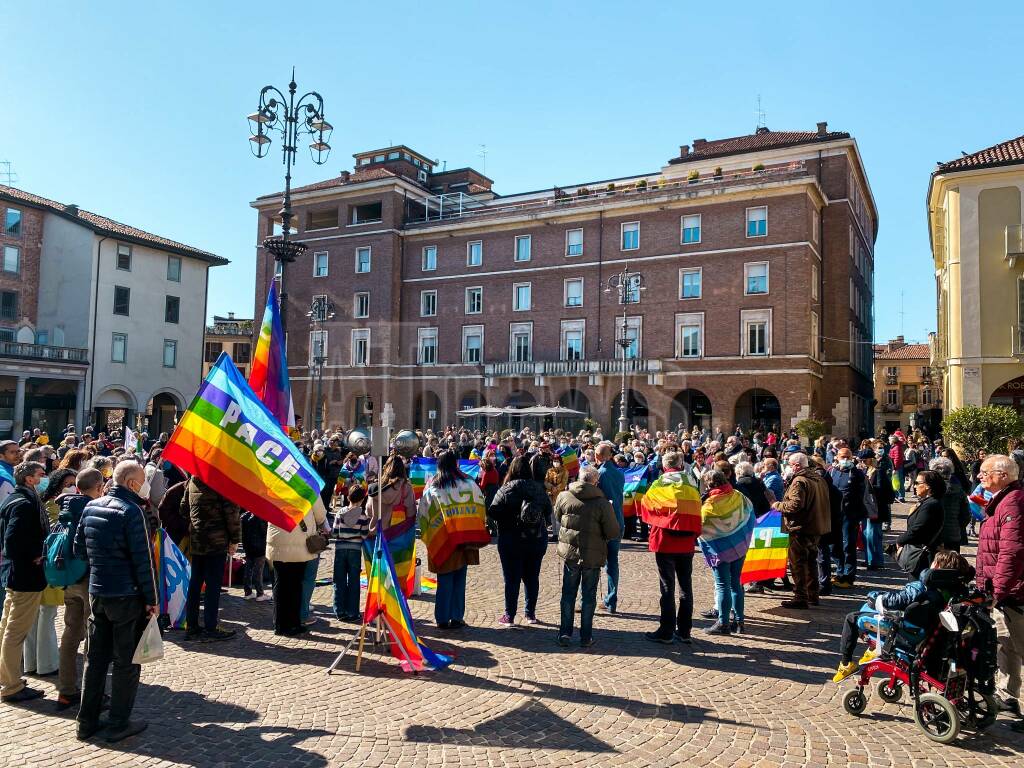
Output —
<point x="249" y="596"/>
<point x="264" y="598"/>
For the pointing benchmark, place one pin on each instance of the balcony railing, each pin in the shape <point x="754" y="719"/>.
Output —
<point x="891" y="408"/>
<point x="511" y="368"/>
<point x="890" y="379"/>
<point x="1014" y="243"/>
<point x="1017" y="339"/>
<point x="573" y="367"/>
<point x="43" y="352"/>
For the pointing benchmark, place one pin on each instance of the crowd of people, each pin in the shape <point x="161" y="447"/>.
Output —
<point x="701" y="491"/>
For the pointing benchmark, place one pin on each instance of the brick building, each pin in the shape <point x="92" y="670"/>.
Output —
<point x="229" y="334"/>
<point x="757" y="255"/>
<point x="907" y="392"/>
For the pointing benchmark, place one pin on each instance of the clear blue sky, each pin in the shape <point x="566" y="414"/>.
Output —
<point x="136" y="111"/>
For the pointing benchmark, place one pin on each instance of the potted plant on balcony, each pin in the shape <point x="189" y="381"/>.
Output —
<point x="641" y="186"/>
<point x="758" y="168"/>
<point x="611" y="188"/>
<point x="693" y="176"/>
<point x="560" y="194"/>
<point x="582" y="191"/>
<point x="718" y="172"/>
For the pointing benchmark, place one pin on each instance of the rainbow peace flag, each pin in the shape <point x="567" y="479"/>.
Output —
<point x="769" y="550"/>
<point x="386" y="600"/>
<point x="347" y="476"/>
<point x="633" y="490"/>
<point x="234" y="444"/>
<point x="570" y="460"/>
<point x="727" y="524"/>
<point x="269" y="376"/>
<point x="455" y="517"/>
<point x="422" y="470"/>
<point x="672" y="502"/>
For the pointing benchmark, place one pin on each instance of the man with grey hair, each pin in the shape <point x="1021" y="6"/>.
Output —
<point x="806" y="517"/>
<point x="1000" y="571"/>
<point x="956" y="510"/>
<point x="612" y="483"/>
<point x="23" y="529"/>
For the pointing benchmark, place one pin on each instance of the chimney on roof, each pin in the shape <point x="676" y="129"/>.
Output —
<point x="71" y="208"/>
<point x="822" y="128"/>
<point x="761" y="129"/>
<point x="345" y="175"/>
<point x="684" y="150"/>
<point x="698" y="144"/>
<point x="231" y="315"/>
<point x="895" y="344"/>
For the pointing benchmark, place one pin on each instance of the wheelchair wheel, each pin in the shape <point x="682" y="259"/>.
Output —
<point x="985" y="710"/>
<point x="855" y="702"/>
<point x="938" y="718"/>
<point x="892" y="694"/>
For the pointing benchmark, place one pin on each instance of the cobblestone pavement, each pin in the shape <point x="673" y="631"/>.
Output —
<point x="513" y="697"/>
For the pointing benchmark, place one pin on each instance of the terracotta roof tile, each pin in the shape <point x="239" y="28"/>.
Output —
<point x="107" y="226"/>
<point x="907" y="352"/>
<point x="369" y="174"/>
<point x="1005" y="153"/>
<point x="763" y="139"/>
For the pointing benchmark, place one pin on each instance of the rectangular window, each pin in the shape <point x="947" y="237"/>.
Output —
<point x="119" y="348"/>
<point x="174" y="269"/>
<point x="632" y="292"/>
<point x="690" y="335"/>
<point x="363" y="260"/>
<point x="756" y="327"/>
<point x="632" y="334"/>
<point x="326" y="218"/>
<point x="573" y="242"/>
<point x="814" y="226"/>
<point x="521" y="297"/>
<point x="122" y="300"/>
<point x="12" y="222"/>
<point x="755" y="278"/>
<point x="691" y="229"/>
<point x="690" y="282"/>
<point x="428" y="303"/>
<point x="631" y="236"/>
<point x="361" y="305"/>
<point x="12" y="259"/>
<point x="473" y="344"/>
<point x="124" y="257"/>
<point x="757" y="221"/>
<point x="361" y="346"/>
<point x="474" y="300"/>
<point x="320" y="264"/>
<point x="523" y="243"/>
<point x="429" y="258"/>
<point x="573" y="334"/>
<point x="475" y="253"/>
<point x="426" y="346"/>
<point x="170" y="353"/>
<point x="42" y="337"/>
<point x="8" y="305"/>
<point x="815" y="279"/>
<point x="243" y="352"/>
<point x="520" y="348"/>
<point x="927" y="396"/>
<point x="814" y="336"/>
<point x="211" y="351"/>
<point x="172" y="306"/>
<point x="317" y="347"/>
<point x="573" y="292"/>
<point x="362" y="214"/>
<point x="892" y="397"/>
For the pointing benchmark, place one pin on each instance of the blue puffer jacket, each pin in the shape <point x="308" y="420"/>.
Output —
<point x="113" y="537"/>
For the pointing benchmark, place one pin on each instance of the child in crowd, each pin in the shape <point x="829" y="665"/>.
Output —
<point x="351" y="526"/>
<point x="254" y="542"/>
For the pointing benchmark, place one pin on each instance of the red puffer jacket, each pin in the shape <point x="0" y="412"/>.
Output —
<point x="1000" y="561"/>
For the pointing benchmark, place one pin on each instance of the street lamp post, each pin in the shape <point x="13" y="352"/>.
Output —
<point x="628" y="286"/>
<point x="291" y="119"/>
<point x="321" y="309"/>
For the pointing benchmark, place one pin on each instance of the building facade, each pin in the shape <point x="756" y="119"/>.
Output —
<point x="974" y="218"/>
<point x="756" y="255"/>
<point x="907" y="394"/>
<point x="229" y="334"/>
<point x="101" y="323"/>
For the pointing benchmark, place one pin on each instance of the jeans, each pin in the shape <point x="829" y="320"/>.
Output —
<point x="844" y="549"/>
<point x="520" y="563"/>
<point x="728" y="590"/>
<point x="673" y="569"/>
<point x="308" y="585"/>
<point x="873" y="554"/>
<point x="450" y="598"/>
<point x="573" y="577"/>
<point x="287" y="596"/>
<point x="346" y="582"/>
<point x="252" y="575"/>
<point x="902" y="475"/>
<point x="206" y="569"/>
<point x="611" y="599"/>
<point x="115" y="628"/>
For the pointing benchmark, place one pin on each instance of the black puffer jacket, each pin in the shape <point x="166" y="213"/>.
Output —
<point x="507" y="503"/>
<point x="113" y="538"/>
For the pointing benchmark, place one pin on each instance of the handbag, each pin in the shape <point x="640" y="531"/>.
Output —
<point x="316" y="543"/>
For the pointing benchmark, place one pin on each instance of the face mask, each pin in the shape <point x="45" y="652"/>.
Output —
<point x="787" y="472"/>
<point x="846" y="463"/>
<point x="143" y="491"/>
<point x="42" y="485"/>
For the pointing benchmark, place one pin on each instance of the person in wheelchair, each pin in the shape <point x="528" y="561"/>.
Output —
<point x="949" y="572"/>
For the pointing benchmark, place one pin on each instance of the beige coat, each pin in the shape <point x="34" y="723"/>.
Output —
<point x="290" y="546"/>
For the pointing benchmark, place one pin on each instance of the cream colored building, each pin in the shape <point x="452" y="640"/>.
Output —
<point x="974" y="219"/>
<point x="907" y="395"/>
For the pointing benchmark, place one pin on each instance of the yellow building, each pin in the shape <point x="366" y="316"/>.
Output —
<point x="974" y="220"/>
<point x="232" y="335"/>
<point x="906" y="394"/>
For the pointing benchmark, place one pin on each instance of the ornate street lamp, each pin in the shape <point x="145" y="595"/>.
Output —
<point x="321" y="309"/>
<point x="291" y="119"/>
<point x="628" y="285"/>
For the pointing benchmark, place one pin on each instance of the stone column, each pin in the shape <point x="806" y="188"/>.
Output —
<point x="19" y="408"/>
<point x="80" y="408"/>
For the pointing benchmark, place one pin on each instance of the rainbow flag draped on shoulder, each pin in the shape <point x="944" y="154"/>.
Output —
<point x="269" y="375"/>
<point x="452" y="518"/>
<point x="385" y="599"/>
<point x="727" y="524"/>
<point x="769" y="550"/>
<point x="230" y="441"/>
<point x="672" y="502"/>
<point x="422" y="470"/>
<point x="633" y="489"/>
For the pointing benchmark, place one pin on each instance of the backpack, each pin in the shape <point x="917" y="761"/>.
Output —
<point x="61" y="567"/>
<point x="531" y="516"/>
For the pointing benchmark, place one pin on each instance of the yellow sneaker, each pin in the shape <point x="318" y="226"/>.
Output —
<point x="869" y="655"/>
<point x="844" y="671"/>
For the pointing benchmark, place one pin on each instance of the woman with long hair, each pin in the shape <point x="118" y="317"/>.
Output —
<point x="74" y="459"/>
<point x="392" y="509"/>
<point x="522" y="511"/>
<point x="452" y="515"/>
